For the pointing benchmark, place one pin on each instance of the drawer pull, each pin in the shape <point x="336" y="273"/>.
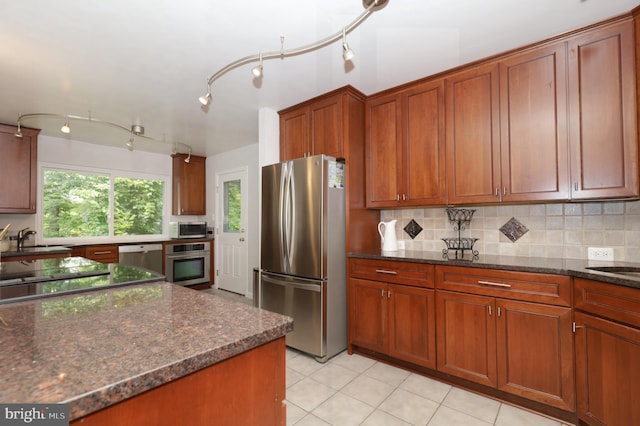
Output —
<point x="382" y="271"/>
<point x="489" y="283"/>
<point x="102" y="252"/>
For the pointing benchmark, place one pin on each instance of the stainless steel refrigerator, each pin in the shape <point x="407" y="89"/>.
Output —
<point x="303" y="252"/>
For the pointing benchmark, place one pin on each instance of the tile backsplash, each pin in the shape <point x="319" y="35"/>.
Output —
<point x="554" y="230"/>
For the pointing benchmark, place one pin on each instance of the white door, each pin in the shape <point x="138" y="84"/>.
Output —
<point x="231" y="231"/>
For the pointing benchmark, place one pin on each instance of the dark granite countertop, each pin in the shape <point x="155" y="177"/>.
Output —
<point x="94" y="349"/>
<point x="35" y="251"/>
<point x="21" y="280"/>
<point x="571" y="267"/>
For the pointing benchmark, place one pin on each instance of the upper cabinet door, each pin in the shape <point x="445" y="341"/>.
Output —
<point x="383" y="151"/>
<point x="603" y="121"/>
<point x="424" y="145"/>
<point x="294" y="134"/>
<point x="326" y="127"/>
<point x="473" y="135"/>
<point x="533" y="105"/>
<point x="18" y="164"/>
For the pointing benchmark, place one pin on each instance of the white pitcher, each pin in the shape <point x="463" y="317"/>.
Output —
<point x="387" y="231"/>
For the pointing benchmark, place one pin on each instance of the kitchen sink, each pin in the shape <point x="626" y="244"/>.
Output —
<point x="633" y="271"/>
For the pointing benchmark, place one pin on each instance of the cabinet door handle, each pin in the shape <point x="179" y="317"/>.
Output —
<point x="382" y="271"/>
<point x="499" y="311"/>
<point x="574" y="327"/>
<point x="490" y="310"/>
<point x="504" y="190"/>
<point x="102" y="252"/>
<point x="397" y="197"/>
<point x="388" y="294"/>
<point x="575" y="186"/>
<point x="489" y="283"/>
<point x="497" y="193"/>
<point x="382" y="293"/>
<point x="404" y="197"/>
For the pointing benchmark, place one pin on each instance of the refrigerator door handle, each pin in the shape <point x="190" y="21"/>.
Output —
<point x="309" y="287"/>
<point x="284" y="213"/>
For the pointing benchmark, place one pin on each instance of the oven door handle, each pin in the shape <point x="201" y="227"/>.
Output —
<point x="188" y="256"/>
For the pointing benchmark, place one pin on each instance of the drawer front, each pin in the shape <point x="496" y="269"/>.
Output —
<point x="621" y="304"/>
<point x="104" y="254"/>
<point x="530" y="287"/>
<point x="414" y="274"/>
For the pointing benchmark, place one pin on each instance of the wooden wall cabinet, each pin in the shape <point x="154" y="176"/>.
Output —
<point x="507" y="129"/>
<point x="486" y="333"/>
<point x="406" y="147"/>
<point x="392" y="309"/>
<point x="317" y="126"/>
<point x="18" y="163"/>
<point x="189" y="185"/>
<point x="602" y="113"/>
<point x="607" y="342"/>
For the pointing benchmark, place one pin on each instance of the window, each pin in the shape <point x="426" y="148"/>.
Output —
<point x="89" y="205"/>
<point x="232" y="206"/>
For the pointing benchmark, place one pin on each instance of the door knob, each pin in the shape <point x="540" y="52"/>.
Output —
<point x="241" y="239"/>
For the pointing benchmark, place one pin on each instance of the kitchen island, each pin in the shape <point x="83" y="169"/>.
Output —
<point x="153" y="353"/>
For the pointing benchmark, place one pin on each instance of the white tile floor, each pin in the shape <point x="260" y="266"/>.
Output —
<point x="356" y="390"/>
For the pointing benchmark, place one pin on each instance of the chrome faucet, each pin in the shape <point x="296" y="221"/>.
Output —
<point x="22" y="235"/>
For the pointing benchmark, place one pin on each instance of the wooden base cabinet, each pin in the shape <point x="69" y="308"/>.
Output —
<point x="607" y="341"/>
<point x="393" y="319"/>
<point x="497" y="328"/>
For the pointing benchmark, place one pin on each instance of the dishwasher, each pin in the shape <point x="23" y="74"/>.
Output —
<point x="147" y="256"/>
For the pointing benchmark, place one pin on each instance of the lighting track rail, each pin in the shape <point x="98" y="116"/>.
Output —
<point x="370" y="7"/>
<point x="135" y="130"/>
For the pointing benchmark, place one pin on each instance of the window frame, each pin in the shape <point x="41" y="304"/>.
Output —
<point x="111" y="174"/>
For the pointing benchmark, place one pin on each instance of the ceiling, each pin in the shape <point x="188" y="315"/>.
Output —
<point x="140" y="62"/>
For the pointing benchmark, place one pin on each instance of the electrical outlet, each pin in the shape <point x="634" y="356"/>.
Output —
<point x="600" y="253"/>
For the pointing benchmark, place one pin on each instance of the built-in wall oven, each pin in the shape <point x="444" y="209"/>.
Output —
<point x="188" y="263"/>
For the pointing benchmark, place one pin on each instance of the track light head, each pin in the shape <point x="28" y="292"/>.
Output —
<point x="347" y="53"/>
<point x="188" y="159"/>
<point x="130" y="144"/>
<point x="65" y="127"/>
<point x="18" y="133"/>
<point x="205" y="99"/>
<point x="257" y="70"/>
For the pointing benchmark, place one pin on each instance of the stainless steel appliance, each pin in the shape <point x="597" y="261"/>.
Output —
<point x="303" y="252"/>
<point x="148" y="256"/>
<point x="179" y="230"/>
<point x="188" y="263"/>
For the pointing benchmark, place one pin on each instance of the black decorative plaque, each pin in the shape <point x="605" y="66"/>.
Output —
<point x="513" y="229"/>
<point x="413" y="229"/>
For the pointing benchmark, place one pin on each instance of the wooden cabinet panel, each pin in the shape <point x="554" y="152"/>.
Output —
<point x="367" y="314"/>
<point x="466" y="336"/>
<point x="618" y="303"/>
<point x="534" y="141"/>
<point x="526" y="286"/>
<point x="607" y="371"/>
<point x="603" y="120"/>
<point x="326" y="127"/>
<point x="412" y="325"/>
<point x="189" y="185"/>
<point x="473" y="135"/>
<point x="383" y="154"/>
<point x="102" y="253"/>
<point x="18" y="163"/>
<point x="294" y="134"/>
<point x="546" y="373"/>
<point x="406" y="147"/>
<point x="408" y="273"/>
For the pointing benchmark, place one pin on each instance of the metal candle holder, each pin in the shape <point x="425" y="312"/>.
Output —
<point x="460" y="217"/>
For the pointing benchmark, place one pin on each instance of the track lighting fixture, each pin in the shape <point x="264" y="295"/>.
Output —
<point x="257" y="70"/>
<point x="347" y="53"/>
<point x="135" y="130"/>
<point x="65" y="127"/>
<point x="188" y="159"/>
<point x="370" y="7"/>
<point x="205" y="99"/>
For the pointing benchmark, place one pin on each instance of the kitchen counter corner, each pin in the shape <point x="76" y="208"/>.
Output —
<point x="95" y="349"/>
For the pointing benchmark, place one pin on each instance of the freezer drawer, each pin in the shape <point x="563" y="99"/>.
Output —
<point x="304" y="301"/>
